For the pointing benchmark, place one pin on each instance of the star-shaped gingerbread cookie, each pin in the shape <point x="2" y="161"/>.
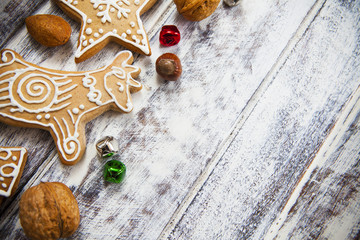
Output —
<point x="103" y="21"/>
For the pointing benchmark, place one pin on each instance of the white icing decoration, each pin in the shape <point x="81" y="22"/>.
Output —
<point x="71" y="116"/>
<point x="133" y="37"/>
<point x="110" y="6"/>
<point x="132" y="24"/>
<point x="123" y="35"/>
<point x="89" y="20"/>
<point x="96" y="35"/>
<point x="38" y="92"/>
<point x="94" y="95"/>
<point x="82" y="107"/>
<point x="85" y="43"/>
<point x="121" y="87"/>
<point x="88" y="31"/>
<point x="105" y="17"/>
<point x="14" y="158"/>
<point x="75" y="110"/>
<point x="34" y="90"/>
<point x="75" y="2"/>
<point x="91" y="40"/>
<point x="114" y="31"/>
<point x="82" y="37"/>
<point x="128" y="31"/>
<point x="65" y="130"/>
<point x="38" y="117"/>
<point x="14" y="174"/>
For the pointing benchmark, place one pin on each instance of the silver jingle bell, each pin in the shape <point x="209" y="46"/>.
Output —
<point x="104" y="147"/>
<point x="231" y="3"/>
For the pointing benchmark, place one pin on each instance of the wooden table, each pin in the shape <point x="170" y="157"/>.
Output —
<point x="259" y="139"/>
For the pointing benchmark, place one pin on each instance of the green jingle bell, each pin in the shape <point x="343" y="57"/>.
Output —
<point x="114" y="171"/>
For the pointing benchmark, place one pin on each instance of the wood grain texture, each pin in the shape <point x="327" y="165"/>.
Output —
<point x="164" y="160"/>
<point x="177" y="130"/>
<point x="282" y="135"/>
<point x="325" y="202"/>
<point x="12" y="16"/>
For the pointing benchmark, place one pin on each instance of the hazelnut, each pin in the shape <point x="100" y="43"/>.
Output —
<point x="49" y="211"/>
<point x="168" y="66"/>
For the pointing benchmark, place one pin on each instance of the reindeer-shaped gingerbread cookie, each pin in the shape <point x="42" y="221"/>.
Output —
<point x="63" y="102"/>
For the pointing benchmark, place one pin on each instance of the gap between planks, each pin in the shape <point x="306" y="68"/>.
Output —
<point x="343" y="123"/>
<point x="246" y="112"/>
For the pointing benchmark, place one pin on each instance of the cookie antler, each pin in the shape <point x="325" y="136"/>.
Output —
<point x="119" y="81"/>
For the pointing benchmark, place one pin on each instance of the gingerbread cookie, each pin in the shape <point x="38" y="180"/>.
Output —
<point x="63" y="102"/>
<point x="12" y="162"/>
<point x="103" y="21"/>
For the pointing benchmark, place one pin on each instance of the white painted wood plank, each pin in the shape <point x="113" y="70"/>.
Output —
<point x="12" y="16"/>
<point x="163" y="159"/>
<point x="326" y="201"/>
<point x="242" y="118"/>
<point x="258" y="171"/>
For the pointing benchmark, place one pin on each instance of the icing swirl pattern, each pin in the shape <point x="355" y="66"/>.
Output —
<point x="58" y="101"/>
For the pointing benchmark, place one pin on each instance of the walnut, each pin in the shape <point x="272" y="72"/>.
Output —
<point x="49" y="211"/>
<point x="196" y="10"/>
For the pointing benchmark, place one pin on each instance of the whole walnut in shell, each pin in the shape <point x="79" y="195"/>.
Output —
<point x="196" y="10"/>
<point x="49" y="211"/>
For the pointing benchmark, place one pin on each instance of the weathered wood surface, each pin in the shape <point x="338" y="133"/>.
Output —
<point x="325" y="203"/>
<point x="219" y="153"/>
<point x="13" y="15"/>
<point x="281" y="137"/>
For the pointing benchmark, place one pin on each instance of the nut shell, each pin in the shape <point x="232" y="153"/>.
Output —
<point x="196" y="10"/>
<point x="48" y="30"/>
<point x="168" y="66"/>
<point x="49" y="211"/>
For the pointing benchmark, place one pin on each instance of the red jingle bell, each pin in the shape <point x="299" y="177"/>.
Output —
<point x="169" y="35"/>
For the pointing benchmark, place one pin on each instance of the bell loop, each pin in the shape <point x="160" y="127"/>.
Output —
<point x="104" y="147"/>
